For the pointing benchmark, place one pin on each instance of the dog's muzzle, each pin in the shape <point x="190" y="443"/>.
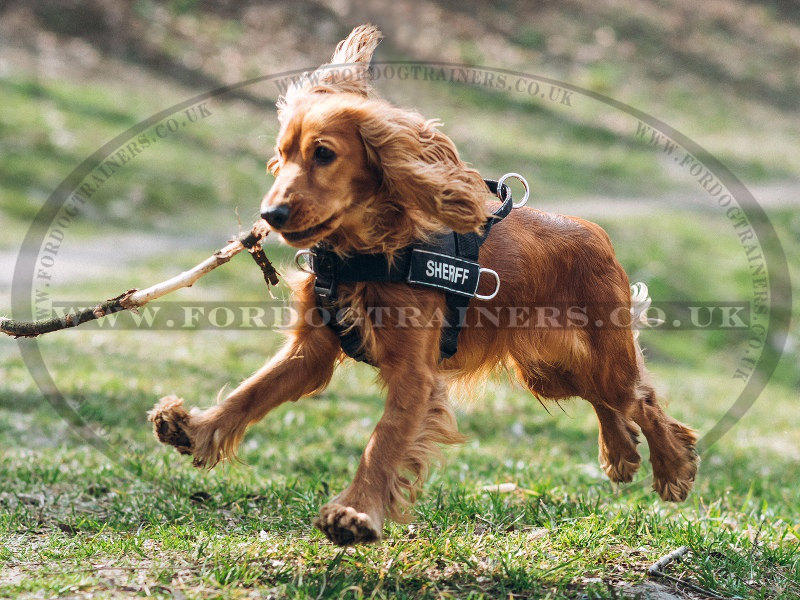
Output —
<point x="276" y="216"/>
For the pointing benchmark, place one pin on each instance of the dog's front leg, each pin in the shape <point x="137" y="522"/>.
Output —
<point x="303" y="366"/>
<point x="357" y="514"/>
<point x="416" y="419"/>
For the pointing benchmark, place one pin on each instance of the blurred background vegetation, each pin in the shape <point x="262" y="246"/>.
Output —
<point x="74" y="73"/>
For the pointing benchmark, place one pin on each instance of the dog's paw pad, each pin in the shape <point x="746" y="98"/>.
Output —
<point x="344" y="525"/>
<point x="169" y="419"/>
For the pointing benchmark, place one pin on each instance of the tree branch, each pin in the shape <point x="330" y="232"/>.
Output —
<point x="133" y="299"/>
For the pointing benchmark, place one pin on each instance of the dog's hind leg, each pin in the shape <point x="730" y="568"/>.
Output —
<point x="617" y="440"/>
<point x="618" y="434"/>
<point x="622" y="395"/>
<point x="672" y="446"/>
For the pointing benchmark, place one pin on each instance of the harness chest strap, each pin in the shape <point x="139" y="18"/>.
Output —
<point x="449" y="263"/>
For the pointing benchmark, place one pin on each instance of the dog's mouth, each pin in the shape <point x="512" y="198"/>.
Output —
<point x="304" y="236"/>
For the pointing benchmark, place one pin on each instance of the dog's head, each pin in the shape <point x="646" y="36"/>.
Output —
<point x="362" y="174"/>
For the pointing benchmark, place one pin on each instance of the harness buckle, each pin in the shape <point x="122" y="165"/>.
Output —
<point x="483" y="270"/>
<point x="524" y="185"/>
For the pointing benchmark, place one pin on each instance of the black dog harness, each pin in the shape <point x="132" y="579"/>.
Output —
<point x="449" y="262"/>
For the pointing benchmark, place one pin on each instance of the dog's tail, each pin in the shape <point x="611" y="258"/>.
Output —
<point x="640" y="303"/>
<point x="348" y="70"/>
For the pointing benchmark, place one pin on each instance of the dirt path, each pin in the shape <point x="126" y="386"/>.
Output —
<point x="772" y="196"/>
<point x="104" y="256"/>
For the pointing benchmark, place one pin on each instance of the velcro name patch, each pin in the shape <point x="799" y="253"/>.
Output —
<point x="445" y="272"/>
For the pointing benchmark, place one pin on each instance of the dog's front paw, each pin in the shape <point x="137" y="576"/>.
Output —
<point x="344" y="525"/>
<point x="170" y="421"/>
<point x="209" y="436"/>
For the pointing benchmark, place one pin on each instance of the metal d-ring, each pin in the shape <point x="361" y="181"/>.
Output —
<point x="301" y="266"/>
<point x="524" y="185"/>
<point x="483" y="270"/>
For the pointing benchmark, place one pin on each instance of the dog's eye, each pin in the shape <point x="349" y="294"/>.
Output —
<point x="323" y="155"/>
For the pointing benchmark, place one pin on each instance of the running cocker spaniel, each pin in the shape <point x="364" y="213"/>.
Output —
<point x="356" y="175"/>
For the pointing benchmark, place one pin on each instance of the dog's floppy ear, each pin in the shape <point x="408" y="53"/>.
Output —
<point x="348" y="69"/>
<point x="355" y="53"/>
<point x="419" y="165"/>
<point x="347" y="72"/>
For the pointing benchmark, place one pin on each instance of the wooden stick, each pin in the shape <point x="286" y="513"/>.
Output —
<point x="655" y="568"/>
<point x="133" y="299"/>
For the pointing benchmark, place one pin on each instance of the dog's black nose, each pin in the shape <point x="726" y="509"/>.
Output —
<point x="276" y="216"/>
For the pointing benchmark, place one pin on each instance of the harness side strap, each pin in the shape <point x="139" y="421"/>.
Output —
<point x="467" y="245"/>
<point x="507" y="203"/>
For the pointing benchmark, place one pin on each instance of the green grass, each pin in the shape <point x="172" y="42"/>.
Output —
<point x="73" y="519"/>
<point x="50" y="126"/>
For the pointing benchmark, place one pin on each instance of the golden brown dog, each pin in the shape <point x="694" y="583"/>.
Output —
<point x="366" y="176"/>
